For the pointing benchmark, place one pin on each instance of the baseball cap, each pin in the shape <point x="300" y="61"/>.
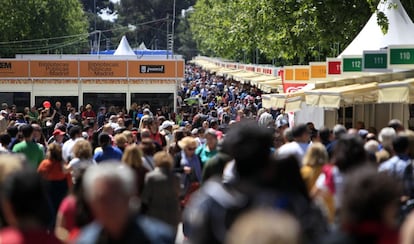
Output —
<point x="58" y="132"/>
<point x="166" y="124"/>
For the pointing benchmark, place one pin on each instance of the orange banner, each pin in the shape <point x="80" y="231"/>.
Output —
<point x="9" y="68"/>
<point x="54" y="68"/>
<point x="103" y="69"/>
<point x="156" y="69"/>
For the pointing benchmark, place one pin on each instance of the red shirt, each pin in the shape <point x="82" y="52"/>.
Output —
<point x="67" y="209"/>
<point x="51" y="170"/>
<point x="87" y="114"/>
<point x="11" y="235"/>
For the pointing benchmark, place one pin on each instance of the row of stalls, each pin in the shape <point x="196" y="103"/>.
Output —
<point x="374" y="98"/>
<point x="264" y="77"/>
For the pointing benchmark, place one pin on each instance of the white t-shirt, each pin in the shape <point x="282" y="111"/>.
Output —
<point x="67" y="148"/>
<point x="76" y="164"/>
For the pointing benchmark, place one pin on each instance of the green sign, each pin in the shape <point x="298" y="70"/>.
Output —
<point x="352" y="64"/>
<point x="401" y="56"/>
<point x="375" y="61"/>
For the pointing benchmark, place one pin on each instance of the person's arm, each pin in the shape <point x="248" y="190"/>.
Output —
<point x="60" y="231"/>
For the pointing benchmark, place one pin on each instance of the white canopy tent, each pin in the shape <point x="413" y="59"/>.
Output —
<point x="124" y="48"/>
<point x="400" y="30"/>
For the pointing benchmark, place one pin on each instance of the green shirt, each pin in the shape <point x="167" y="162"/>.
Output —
<point x="33" y="152"/>
<point x="205" y="153"/>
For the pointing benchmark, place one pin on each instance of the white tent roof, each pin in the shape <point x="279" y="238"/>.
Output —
<point x="142" y="46"/>
<point x="124" y="48"/>
<point x="400" y="30"/>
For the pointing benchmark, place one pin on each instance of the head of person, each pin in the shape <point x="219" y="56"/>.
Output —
<point x="163" y="160"/>
<point x="147" y="146"/>
<point x="211" y="138"/>
<point x="369" y="196"/>
<point x="58" y="135"/>
<point x="188" y="144"/>
<point x="246" y="142"/>
<point x="349" y="153"/>
<point x="132" y="156"/>
<point x="401" y="144"/>
<point x="396" y="124"/>
<point x="109" y="189"/>
<point x="338" y="131"/>
<point x="54" y="152"/>
<point x="386" y="136"/>
<point x="129" y="136"/>
<point x="104" y="140"/>
<point x="167" y="125"/>
<point x="107" y="128"/>
<point x="324" y="134"/>
<point x="301" y="133"/>
<point x="120" y="141"/>
<point x="82" y="150"/>
<point x="75" y="132"/>
<point x="264" y="226"/>
<point x="88" y="107"/>
<point x="27" y="131"/>
<point x="5" y="139"/>
<point x="316" y="155"/>
<point x="24" y="200"/>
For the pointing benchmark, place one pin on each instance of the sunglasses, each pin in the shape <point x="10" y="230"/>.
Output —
<point x="191" y="148"/>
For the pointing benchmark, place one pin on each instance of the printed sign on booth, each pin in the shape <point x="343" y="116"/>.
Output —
<point x="13" y="68"/>
<point x="103" y="68"/>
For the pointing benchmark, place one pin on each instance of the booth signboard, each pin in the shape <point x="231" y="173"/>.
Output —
<point x="375" y="61"/>
<point x="302" y="73"/>
<point x="14" y="68"/>
<point x="401" y="56"/>
<point x="334" y="66"/>
<point x="103" y="69"/>
<point x="351" y="64"/>
<point x="317" y="70"/>
<point x="155" y="69"/>
<point x="54" y="69"/>
<point x="288" y="73"/>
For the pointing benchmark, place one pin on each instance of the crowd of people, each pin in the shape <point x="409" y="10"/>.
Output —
<point x="229" y="170"/>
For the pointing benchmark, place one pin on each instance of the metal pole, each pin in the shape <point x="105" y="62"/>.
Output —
<point x="172" y="30"/>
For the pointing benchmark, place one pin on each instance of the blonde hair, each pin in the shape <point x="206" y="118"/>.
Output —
<point x="186" y="142"/>
<point x="82" y="149"/>
<point x="120" y="140"/>
<point x="264" y="226"/>
<point x="163" y="160"/>
<point x="128" y="135"/>
<point x="316" y="155"/>
<point x="107" y="128"/>
<point x="132" y="156"/>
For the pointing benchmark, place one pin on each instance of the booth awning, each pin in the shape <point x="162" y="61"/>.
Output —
<point x="396" y="92"/>
<point x="244" y="76"/>
<point x="334" y="97"/>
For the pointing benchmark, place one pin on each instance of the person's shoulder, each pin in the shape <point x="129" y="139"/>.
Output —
<point x="18" y="146"/>
<point x="156" y="231"/>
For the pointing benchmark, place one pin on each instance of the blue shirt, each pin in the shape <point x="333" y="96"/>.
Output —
<point x="395" y="166"/>
<point x="108" y="153"/>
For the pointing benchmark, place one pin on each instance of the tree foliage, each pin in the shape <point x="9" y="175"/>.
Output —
<point x="288" y="31"/>
<point x="149" y="17"/>
<point x="41" y="20"/>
